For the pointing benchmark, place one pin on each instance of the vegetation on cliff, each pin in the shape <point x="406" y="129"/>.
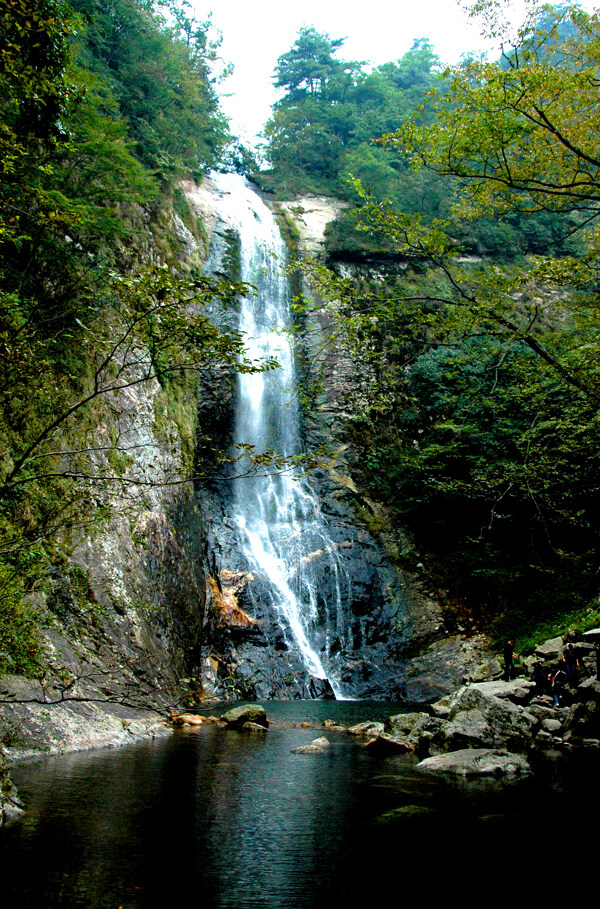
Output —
<point x="323" y="136"/>
<point x="477" y="419"/>
<point x="103" y="106"/>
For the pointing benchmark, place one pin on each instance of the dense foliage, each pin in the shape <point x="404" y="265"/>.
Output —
<point x="323" y="126"/>
<point x="478" y="422"/>
<point x="103" y="105"/>
<point x="324" y="134"/>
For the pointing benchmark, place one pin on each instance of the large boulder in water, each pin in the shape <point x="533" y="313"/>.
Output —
<point x="477" y="762"/>
<point x="321" y="689"/>
<point x="415" y="730"/>
<point x="478" y="719"/>
<point x="249" y="713"/>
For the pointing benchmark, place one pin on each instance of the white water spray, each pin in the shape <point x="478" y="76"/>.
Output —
<point x="283" y="534"/>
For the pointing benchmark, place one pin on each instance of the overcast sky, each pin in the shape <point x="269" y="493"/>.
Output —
<point x="257" y="32"/>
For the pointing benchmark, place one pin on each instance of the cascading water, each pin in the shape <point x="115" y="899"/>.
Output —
<point x="282" y="533"/>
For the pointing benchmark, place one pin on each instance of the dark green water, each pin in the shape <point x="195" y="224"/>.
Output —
<point x="222" y="819"/>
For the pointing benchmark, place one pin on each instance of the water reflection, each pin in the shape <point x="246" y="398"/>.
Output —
<point x="219" y="819"/>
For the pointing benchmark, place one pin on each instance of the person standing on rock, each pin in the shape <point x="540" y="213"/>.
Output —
<point x="539" y="677"/>
<point x="559" y="680"/>
<point x="510" y="671"/>
<point x="571" y="665"/>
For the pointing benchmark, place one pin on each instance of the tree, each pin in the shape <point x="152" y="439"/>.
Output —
<point x="478" y="418"/>
<point x="518" y="139"/>
<point x="332" y="111"/>
<point x="309" y="65"/>
<point x="521" y="134"/>
<point x="34" y="92"/>
<point x="158" y="69"/>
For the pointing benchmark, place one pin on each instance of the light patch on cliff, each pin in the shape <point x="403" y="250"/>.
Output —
<point x="310" y="215"/>
<point x="204" y="198"/>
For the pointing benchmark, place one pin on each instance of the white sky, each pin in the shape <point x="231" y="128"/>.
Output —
<point x="257" y="32"/>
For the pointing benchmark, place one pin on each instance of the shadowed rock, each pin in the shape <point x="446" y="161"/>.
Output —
<point x="477" y="719"/>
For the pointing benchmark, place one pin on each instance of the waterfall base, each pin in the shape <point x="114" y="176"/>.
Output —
<point x="303" y="600"/>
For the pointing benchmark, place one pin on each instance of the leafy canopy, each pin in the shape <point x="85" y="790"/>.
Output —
<point x="477" y="416"/>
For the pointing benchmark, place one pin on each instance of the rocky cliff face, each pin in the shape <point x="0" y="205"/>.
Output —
<point x="121" y="617"/>
<point x="407" y="646"/>
<point x="156" y="592"/>
<point x="398" y="644"/>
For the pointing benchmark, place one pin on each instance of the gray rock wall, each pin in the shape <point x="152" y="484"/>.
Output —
<point x="399" y="645"/>
<point x="407" y="645"/>
<point x="122" y="614"/>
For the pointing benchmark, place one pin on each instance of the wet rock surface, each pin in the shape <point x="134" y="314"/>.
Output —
<point x="482" y="727"/>
<point x="10" y="804"/>
<point x="389" y="641"/>
<point x="248" y="713"/>
<point x="477" y="762"/>
<point x="317" y="746"/>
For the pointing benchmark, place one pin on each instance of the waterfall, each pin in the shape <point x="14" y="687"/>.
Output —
<point x="282" y="533"/>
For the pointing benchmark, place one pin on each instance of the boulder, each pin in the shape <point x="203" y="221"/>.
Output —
<point x="320" y="689"/>
<point x="317" y="746"/>
<point x="415" y="730"/>
<point x="550" y="650"/>
<point x="477" y="762"/>
<point x="255" y="728"/>
<point x="332" y="726"/>
<point x="552" y="726"/>
<point x="442" y="707"/>
<point x="583" y="720"/>
<point x="386" y="744"/>
<point x="187" y="719"/>
<point x="542" y="707"/>
<point x="10" y="804"/>
<point x="488" y="671"/>
<point x="406" y="812"/>
<point x="369" y="729"/>
<point x="519" y="691"/>
<point x="249" y="713"/>
<point x="477" y="719"/>
<point x="589" y="690"/>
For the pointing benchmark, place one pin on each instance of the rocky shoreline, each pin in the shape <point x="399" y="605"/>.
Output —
<point x="56" y="728"/>
<point x="492" y="727"/>
<point x="486" y="727"/>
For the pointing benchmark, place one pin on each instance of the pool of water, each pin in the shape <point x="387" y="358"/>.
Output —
<point x="214" y="818"/>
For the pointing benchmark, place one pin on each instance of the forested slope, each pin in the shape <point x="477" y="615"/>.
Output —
<point x="476" y="422"/>
<point x="104" y="106"/>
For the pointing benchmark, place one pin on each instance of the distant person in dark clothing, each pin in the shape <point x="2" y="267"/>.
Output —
<point x="559" y="680"/>
<point x="539" y="677"/>
<point x="571" y="665"/>
<point x="510" y="656"/>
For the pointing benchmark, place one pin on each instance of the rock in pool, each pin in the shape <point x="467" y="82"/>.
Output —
<point x="249" y="713"/>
